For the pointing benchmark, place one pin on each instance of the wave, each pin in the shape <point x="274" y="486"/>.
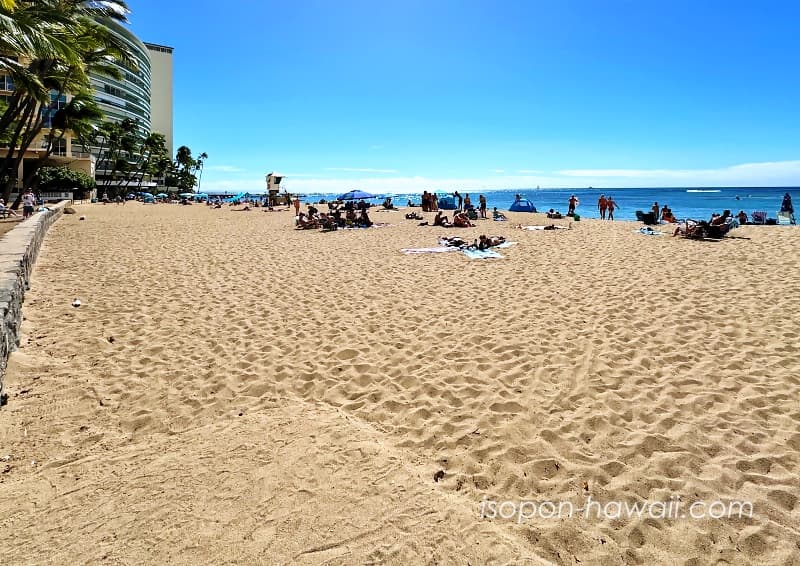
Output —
<point x="703" y="191"/>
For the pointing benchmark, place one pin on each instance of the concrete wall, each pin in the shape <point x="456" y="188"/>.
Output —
<point x="18" y="250"/>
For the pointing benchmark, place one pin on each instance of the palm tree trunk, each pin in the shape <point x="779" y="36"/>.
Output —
<point x="8" y="169"/>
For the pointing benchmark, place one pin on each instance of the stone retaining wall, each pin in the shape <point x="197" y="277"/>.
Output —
<point x="18" y="250"/>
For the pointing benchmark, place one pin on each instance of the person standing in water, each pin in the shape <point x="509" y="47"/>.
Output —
<point x="602" y="206"/>
<point x="611" y="205"/>
<point x="573" y="203"/>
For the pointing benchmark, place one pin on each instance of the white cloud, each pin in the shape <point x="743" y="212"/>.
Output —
<point x="225" y="168"/>
<point x="770" y="173"/>
<point x="529" y="171"/>
<point x="778" y="173"/>
<point x="360" y="170"/>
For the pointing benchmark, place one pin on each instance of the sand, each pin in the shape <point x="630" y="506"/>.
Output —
<point x="233" y="391"/>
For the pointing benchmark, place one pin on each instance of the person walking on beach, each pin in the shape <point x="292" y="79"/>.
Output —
<point x="28" y="202"/>
<point x="573" y="203"/>
<point x="297" y="206"/>
<point x="459" y="200"/>
<point x="602" y="206"/>
<point x="482" y="205"/>
<point x="611" y="205"/>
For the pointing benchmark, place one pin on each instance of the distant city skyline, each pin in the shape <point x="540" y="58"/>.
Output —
<point x="411" y="95"/>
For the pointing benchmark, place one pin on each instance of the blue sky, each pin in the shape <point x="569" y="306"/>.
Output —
<point x="395" y="95"/>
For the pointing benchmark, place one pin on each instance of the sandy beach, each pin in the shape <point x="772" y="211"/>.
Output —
<point x="233" y="391"/>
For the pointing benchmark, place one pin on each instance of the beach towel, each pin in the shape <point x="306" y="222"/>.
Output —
<point x="374" y="225"/>
<point x="648" y="232"/>
<point x="442" y="249"/>
<point x="505" y="245"/>
<point x="542" y="228"/>
<point x="482" y="254"/>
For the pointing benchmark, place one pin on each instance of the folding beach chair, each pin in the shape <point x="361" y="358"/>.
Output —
<point x="786" y="219"/>
<point x="759" y="217"/>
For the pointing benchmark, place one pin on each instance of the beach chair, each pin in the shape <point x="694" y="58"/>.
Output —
<point x="786" y="219"/>
<point x="719" y="231"/>
<point x="647" y="217"/>
<point x="759" y="217"/>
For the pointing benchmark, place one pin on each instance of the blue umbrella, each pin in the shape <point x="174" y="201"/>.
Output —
<point x="162" y="195"/>
<point x="355" y="195"/>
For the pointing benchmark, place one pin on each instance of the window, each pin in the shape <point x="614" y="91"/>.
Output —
<point x="57" y="102"/>
<point x="6" y="83"/>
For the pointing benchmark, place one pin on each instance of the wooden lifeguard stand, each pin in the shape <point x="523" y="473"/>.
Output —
<point x="274" y="187"/>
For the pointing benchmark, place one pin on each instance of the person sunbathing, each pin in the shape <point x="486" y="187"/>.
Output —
<point x="690" y="229"/>
<point x="305" y="222"/>
<point x="461" y="220"/>
<point x="498" y="215"/>
<point x="6" y="211"/>
<point x="441" y="220"/>
<point x="328" y="223"/>
<point x="486" y="242"/>
<point x="554" y="214"/>
<point x="363" y="219"/>
<point x="719" y="220"/>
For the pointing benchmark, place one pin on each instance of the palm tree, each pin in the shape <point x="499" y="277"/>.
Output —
<point x="61" y="42"/>
<point x="76" y="117"/>
<point x="199" y="167"/>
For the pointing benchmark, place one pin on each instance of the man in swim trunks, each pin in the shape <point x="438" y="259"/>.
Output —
<point x="602" y="205"/>
<point x="573" y="203"/>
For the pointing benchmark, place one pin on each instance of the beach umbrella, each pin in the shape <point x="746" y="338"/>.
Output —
<point x="162" y="195"/>
<point x="355" y="195"/>
<point x="186" y="195"/>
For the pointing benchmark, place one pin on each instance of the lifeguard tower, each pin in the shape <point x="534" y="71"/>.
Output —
<point x="274" y="188"/>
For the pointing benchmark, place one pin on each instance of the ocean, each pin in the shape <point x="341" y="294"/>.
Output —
<point x="685" y="203"/>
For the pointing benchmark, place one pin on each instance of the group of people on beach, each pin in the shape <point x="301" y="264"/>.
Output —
<point x="351" y="215"/>
<point x="460" y="220"/>
<point x="29" y="203"/>
<point x="606" y="205"/>
<point x="430" y="203"/>
<point x="662" y="214"/>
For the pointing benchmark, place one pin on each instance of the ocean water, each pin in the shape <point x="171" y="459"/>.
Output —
<point x="685" y="203"/>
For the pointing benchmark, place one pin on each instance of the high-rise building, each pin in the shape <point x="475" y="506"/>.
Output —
<point x="128" y="97"/>
<point x="161" y="92"/>
<point x="142" y="93"/>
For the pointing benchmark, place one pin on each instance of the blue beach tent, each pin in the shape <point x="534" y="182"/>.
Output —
<point x="523" y="205"/>
<point x="445" y="201"/>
